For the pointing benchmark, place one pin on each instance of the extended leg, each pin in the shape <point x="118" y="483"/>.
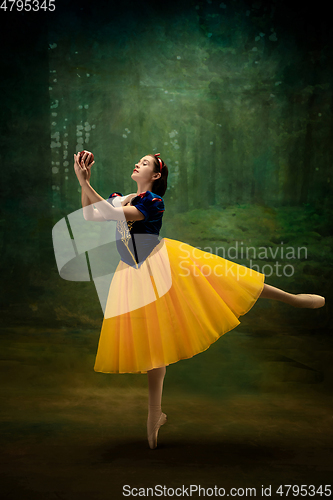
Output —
<point x="296" y="300"/>
<point x="155" y="416"/>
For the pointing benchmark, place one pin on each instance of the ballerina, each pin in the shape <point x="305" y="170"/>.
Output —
<point x="162" y="307"/>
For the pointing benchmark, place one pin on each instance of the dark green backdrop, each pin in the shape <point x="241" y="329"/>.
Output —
<point x="237" y="97"/>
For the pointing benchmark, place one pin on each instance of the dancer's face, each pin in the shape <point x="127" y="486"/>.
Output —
<point x="144" y="170"/>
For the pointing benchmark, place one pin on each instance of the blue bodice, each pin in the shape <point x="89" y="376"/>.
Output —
<point x="135" y="240"/>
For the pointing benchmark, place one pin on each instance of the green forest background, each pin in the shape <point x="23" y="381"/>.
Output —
<point x="237" y="97"/>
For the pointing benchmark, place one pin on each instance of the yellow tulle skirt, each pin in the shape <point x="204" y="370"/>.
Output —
<point x="175" y="305"/>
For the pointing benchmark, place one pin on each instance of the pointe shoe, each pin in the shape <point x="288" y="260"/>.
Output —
<point x="310" y="301"/>
<point x="152" y="438"/>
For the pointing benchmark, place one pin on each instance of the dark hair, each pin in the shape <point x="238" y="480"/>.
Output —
<point x="160" y="185"/>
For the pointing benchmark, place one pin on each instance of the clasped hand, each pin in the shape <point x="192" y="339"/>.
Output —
<point x="82" y="170"/>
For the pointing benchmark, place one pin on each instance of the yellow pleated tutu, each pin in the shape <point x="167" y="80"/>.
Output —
<point x="175" y="305"/>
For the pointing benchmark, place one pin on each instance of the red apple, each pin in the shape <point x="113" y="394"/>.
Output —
<point x="81" y="156"/>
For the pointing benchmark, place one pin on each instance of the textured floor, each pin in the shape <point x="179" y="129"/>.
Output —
<point x="69" y="433"/>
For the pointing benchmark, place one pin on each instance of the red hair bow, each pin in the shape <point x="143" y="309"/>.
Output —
<point x="158" y="154"/>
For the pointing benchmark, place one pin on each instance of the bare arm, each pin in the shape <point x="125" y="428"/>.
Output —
<point x="92" y="213"/>
<point x="89" y="212"/>
<point x="105" y="209"/>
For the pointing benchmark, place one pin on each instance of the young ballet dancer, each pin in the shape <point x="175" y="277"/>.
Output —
<point x="167" y="300"/>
